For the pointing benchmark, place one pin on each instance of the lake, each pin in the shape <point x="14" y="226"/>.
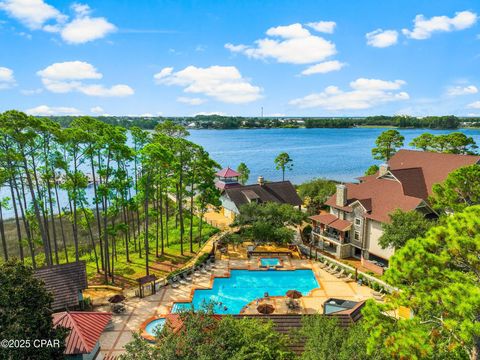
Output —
<point x="340" y="154"/>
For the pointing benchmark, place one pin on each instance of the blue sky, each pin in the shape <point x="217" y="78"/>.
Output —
<point x="293" y="58"/>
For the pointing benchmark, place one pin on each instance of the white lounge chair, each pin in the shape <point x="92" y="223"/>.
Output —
<point x="173" y="283"/>
<point x="180" y="280"/>
<point x="349" y="278"/>
<point x="340" y="274"/>
<point x="333" y="270"/>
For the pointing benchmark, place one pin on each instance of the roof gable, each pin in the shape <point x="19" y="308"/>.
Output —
<point x="85" y="329"/>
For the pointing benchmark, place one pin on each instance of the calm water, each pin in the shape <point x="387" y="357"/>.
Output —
<point x="244" y="286"/>
<point x="340" y="154"/>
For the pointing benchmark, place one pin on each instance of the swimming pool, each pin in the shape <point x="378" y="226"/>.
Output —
<point x="243" y="286"/>
<point x="154" y="326"/>
<point x="269" y="262"/>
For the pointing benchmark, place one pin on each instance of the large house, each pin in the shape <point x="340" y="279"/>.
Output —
<point x="234" y="194"/>
<point x="353" y="225"/>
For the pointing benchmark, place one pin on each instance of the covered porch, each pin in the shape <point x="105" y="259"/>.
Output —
<point x="331" y="234"/>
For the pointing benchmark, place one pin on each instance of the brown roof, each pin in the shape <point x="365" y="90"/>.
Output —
<point x="340" y="224"/>
<point x="65" y="282"/>
<point x="324" y="218"/>
<point x="85" y="329"/>
<point x="415" y="172"/>
<point x="281" y="192"/>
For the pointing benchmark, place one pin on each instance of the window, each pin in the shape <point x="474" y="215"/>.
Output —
<point x="358" y="221"/>
<point x="357" y="235"/>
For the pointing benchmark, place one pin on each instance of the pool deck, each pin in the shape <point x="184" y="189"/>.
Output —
<point x="113" y="340"/>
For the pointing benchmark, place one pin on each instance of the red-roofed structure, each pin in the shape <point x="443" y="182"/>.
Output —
<point x="227" y="173"/>
<point x="358" y="210"/>
<point x="85" y="330"/>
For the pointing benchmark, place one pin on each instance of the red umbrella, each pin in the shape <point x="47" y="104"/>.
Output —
<point x="265" y="309"/>
<point x="294" y="294"/>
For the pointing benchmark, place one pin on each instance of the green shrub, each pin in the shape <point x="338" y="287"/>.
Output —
<point x="201" y="259"/>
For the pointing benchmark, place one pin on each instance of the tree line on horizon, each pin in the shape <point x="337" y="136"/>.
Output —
<point x="138" y="186"/>
<point x="239" y="122"/>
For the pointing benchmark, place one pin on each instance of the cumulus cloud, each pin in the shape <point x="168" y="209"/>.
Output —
<point x="97" y="110"/>
<point x="7" y="79"/>
<point x="38" y="15"/>
<point x="85" y="28"/>
<point x="423" y="28"/>
<point x="364" y="94"/>
<point x="382" y="38"/>
<point x="474" y="105"/>
<point x="291" y="44"/>
<point x="462" y="90"/>
<point x="32" y="13"/>
<point x="222" y="83"/>
<point x="45" y="110"/>
<point x="209" y="113"/>
<point x="323" y="26"/>
<point x="190" y="101"/>
<point x="71" y="76"/>
<point x="324" y="67"/>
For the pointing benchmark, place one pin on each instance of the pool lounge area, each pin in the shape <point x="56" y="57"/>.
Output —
<point x="316" y="286"/>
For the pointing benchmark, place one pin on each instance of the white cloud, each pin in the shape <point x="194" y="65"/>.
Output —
<point x="291" y="44"/>
<point x="32" y="13"/>
<point x="289" y="31"/>
<point x="31" y="91"/>
<point x="474" y="105"/>
<point x="462" y="90"/>
<point x="45" y="110"/>
<point x="85" y="29"/>
<point x="323" y="26"/>
<point x="190" y="101"/>
<point x="97" y="110"/>
<point x="324" y="67"/>
<point x="71" y="75"/>
<point x="423" y="28"/>
<point x="382" y="38"/>
<point x="38" y="15"/>
<point x="7" y="79"/>
<point x="364" y="94"/>
<point x="206" y="113"/>
<point x="223" y="83"/>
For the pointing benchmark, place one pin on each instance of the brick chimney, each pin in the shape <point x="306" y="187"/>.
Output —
<point x="341" y="195"/>
<point x="383" y="170"/>
<point x="260" y="181"/>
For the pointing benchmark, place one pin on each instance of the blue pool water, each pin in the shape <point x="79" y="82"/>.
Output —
<point x="155" y="326"/>
<point x="244" y="286"/>
<point x="269" y="261"/>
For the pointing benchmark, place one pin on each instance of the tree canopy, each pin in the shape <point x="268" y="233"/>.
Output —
<point x="438" y="276"/>
<point x="402" y="227"/>
<point x="453" y="143"/>
<point x="283" y="162"/>
<point x="460" y="189"/>
<point x="206" y="337"/>
<point x="25" y="314"/>
<point x="315" y="192"/>
<point x="244" y="172"/>
<point x="387" y="144"/>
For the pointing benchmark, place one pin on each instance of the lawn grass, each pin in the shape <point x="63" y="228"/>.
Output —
<point x="125" y="272"/>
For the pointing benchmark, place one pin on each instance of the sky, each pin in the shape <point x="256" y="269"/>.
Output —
<point x="291" y="58"/>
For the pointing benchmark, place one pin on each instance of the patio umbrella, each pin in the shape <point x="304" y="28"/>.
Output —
<point x="116" y="299"/>
<point x="294" y="294"/>
<point x="265" y="309"/>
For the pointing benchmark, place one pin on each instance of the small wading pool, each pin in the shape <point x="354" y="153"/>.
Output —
<point x="155" y="326"/>
<point x="230" y="295"/>
<point x="269" y="262"/>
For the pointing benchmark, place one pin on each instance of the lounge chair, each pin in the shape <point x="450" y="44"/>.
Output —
<point x="187" y="276"/>
<point x="173" y="283"/>
<point x="329" y="267"/>
<point x="349" y="278"/>
<point x="333" y="270"/>
<point x="322" y="264"/>
<point x="203" y="270"/>
<point x="340" y="274"/>
<point x="180" y="280"/>
<point x="196" y="272"/>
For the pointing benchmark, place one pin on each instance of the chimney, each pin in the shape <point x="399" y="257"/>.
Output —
<point x="383" y="170"/>
<point x="260" y="181"/>
<point x="341" y="195"/>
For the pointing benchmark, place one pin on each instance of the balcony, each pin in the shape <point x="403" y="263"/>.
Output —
<point x="331" y="235"/>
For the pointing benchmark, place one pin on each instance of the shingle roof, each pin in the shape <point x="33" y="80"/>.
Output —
<point x="227" y="172"/>
<point x="280" y="192"/>
<point x="85" y="329"/>
<point x="416" y="172"/>
<point x="64" y="281"/>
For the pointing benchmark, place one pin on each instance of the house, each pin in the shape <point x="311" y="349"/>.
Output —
<point x="82" y="342"/>
<point x="234" y="195"/>
<point x="65" y="282"/>
<point x="353" y="225"/>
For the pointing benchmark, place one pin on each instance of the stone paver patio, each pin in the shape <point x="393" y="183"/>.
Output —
<point x="113" y="340"/>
